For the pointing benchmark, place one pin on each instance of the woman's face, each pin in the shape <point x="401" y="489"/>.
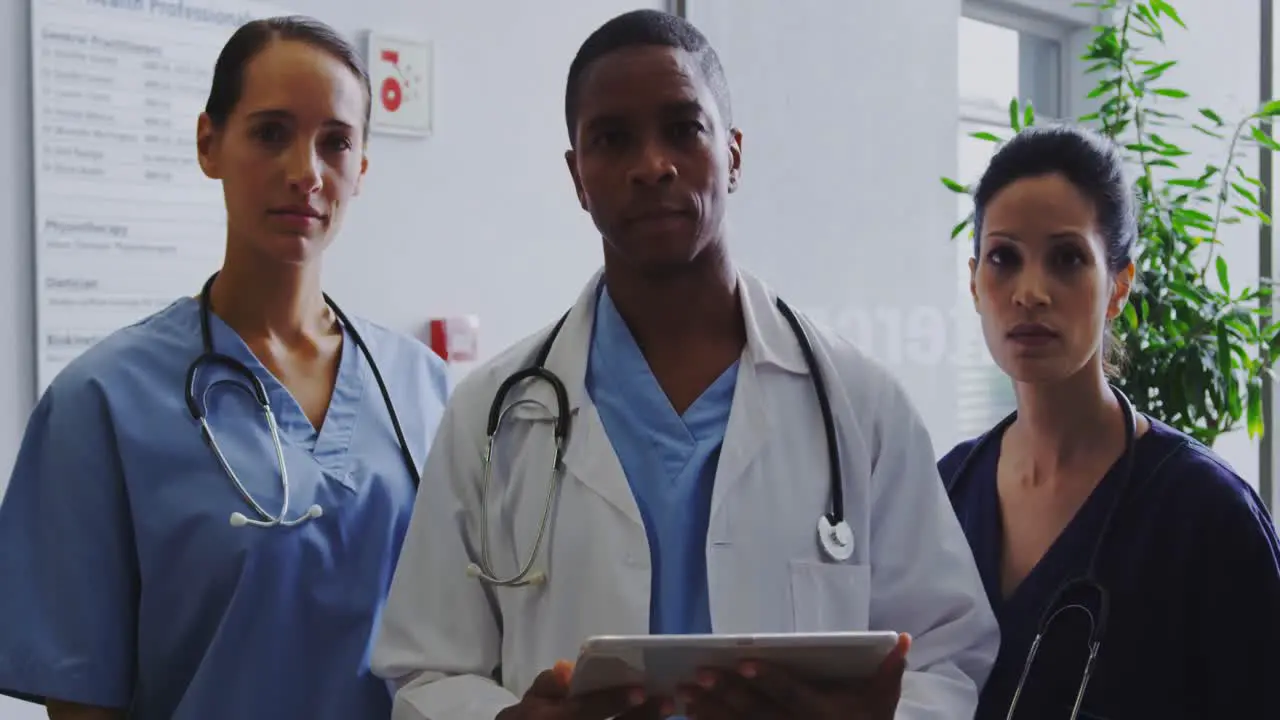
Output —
<point x="291" y="154"/>
<point x="1041" y="282"/>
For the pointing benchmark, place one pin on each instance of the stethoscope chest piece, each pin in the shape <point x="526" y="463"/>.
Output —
<point x="836" y="540"/>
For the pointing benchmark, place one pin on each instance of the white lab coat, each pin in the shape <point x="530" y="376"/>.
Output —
<point x="446" y="636"/>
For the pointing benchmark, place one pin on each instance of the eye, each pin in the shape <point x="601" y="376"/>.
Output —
<point x="1002" y="256"/>
<point x="609" y="139"/>
<point x="686" y="129"/>
<point x="1070" y="257"/>
<point x="339" y="143"/>
<point x="270" y="132"/>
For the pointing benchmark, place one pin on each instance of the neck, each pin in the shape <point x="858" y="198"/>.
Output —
<point x="1060" y="423"/>
<point x="265" y="301"/>
<point x="693" y="304"/>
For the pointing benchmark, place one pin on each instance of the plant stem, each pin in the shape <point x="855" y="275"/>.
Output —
<point x="1223" y="192"/>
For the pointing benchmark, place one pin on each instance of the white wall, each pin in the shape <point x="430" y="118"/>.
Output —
<point x="848" y="112"/>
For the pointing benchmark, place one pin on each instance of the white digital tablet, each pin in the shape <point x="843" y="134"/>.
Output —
<point x="662" y="663"/>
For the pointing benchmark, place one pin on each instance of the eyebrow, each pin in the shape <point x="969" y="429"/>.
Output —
<point x="286" y="115"/>
<point x="678" y="108"/>
<point x="1063" y="236"/>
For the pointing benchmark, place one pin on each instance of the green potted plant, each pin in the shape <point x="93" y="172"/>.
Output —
<point x="1197" y="348"/>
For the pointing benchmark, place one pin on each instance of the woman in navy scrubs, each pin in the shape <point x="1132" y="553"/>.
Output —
<point x="1094" y="526"/>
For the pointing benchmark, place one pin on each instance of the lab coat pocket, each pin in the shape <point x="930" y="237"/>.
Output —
<point x="830" y="597"/>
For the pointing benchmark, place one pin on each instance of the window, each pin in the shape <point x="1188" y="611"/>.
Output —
<point x="997" y="62"/>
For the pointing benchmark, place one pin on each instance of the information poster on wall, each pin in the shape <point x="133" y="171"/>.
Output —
<point x="125" y="222"/>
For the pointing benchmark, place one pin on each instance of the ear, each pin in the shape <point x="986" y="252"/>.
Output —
<point x="364" y="168"/>
<point x="571" y="159"/>
<point x="973" y="281"/>
<point x="1120" y="287"/>
<point x="735" y="158"/>
<point x="208" y="139"/>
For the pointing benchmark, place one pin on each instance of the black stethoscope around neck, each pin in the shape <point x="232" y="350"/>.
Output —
<point x="1087" y="584"/>
<point x="254" y="385"/>
<point x="835" y="537"/>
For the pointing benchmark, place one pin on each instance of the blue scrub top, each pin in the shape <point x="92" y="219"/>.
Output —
<point x="1192" y="565"/>
<point x="126" y="586"/>
<point x="670" y="463"/>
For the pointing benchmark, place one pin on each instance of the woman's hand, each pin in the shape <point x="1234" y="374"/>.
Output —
<point x="760" y="692"/>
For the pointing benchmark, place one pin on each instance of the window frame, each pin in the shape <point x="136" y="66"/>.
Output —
<point x="973" y="116"/>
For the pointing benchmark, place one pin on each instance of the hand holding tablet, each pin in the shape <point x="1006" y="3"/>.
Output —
<point x="845" y="675"/>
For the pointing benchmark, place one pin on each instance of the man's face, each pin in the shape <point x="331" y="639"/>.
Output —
<point x="653" y="161"/>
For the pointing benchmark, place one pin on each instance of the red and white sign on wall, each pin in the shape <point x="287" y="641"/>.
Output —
<point x="400" y="73"/>
<point x="456" y="339"/>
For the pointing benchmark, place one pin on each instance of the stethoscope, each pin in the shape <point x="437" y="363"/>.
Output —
<point x="834" y="534"/>
<point x="1087" y="584"/>
<point x="259" y="391"/>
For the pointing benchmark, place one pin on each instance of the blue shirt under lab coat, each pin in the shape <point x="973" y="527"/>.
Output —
<point x="124" y="585"/>
<point x="670" y="462"/>
<point x="1192" y="566"/>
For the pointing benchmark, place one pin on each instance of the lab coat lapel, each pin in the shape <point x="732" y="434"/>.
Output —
<point x="589" y="456"/>
<point x="771" y="346"/>
<point x="745" y="436"/>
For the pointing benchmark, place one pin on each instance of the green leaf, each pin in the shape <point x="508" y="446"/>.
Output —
<point x="1171" y="93"/>
<point x="1163" y="8"/>
<point x="1244" y="193"/>
<point x="1270" y="109"/>
<point x="1015" y="119"/>
<point x="1028" y="115"/>
<point x="984" y="135"/>
<point x="1155" y="71"/>
<point x="1206" y="131"/>
<point x="954" y="186"/>
<point x="1212" y="116"/>
<point x="1130" y="314"/>
<point x="1265" y="140"/>
<point x="960" y="227"/>
<point x="1254" y="416"/>
<point x="1221" y="264"/>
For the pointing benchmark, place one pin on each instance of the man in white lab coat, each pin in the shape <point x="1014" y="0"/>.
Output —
<point x="695" y="492"/>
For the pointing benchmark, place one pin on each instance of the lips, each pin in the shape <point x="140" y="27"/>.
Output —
<point x="1032" y="331"/>
<point x="658" y="215"/>
<point x="1032" y="335"/>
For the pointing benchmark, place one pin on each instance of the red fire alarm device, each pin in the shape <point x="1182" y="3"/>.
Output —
<point x="455" y="339"/>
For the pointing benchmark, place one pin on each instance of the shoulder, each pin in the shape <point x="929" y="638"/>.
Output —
<point x="479" y="385"/>
<point x="1194" y="477"/>
<point x="871" y="388"/>
<point x="156" y="346"/>
<point x="403" y="355"/>
<point x="950" y="462"/>
<point x="116" y="372"/>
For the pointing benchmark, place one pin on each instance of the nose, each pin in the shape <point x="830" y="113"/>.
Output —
<point x="1031" y="289"/>
<point x="303" y="168"/>
<point x="654" y="165"/>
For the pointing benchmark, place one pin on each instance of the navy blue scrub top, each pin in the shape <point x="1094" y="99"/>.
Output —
<point x="1192" y="565"/>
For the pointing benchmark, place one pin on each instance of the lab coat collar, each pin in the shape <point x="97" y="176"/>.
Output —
<point x="770" y="340"/>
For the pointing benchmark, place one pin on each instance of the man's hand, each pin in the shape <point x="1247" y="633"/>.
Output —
<point x="759" y="692"/>
<point x="548" y="699"/>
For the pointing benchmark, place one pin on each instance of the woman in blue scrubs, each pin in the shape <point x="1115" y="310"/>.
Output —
<point x="138" y="578"/>
<point x="1060" y="517"/>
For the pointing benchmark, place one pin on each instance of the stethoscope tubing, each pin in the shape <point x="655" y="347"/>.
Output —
<point x="254" y="385"/>
<point x="834" y="536"/>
